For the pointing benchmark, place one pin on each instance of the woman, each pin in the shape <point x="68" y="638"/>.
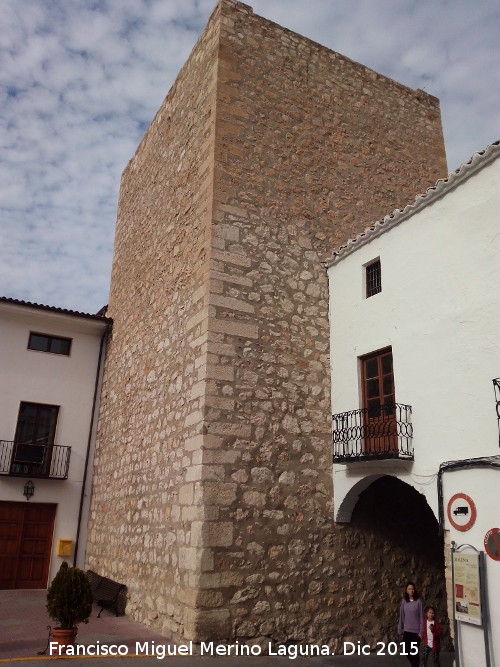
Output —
<point x="411" y="618"/>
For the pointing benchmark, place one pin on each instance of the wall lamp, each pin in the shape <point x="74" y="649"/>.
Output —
<point x="29" y="489"/>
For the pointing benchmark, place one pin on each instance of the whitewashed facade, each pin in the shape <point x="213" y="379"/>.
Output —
<point x="50" y="362"/>
<point x="438" y="315"/>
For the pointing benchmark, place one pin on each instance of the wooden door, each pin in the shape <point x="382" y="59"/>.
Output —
<point x="379" y="403"/>
<point x="26" y="531"/>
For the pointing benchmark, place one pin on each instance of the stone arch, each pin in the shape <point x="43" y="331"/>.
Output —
<point x="395" y="534"/>
<point x="398" y="513"/>
<point x="344" y="511"/>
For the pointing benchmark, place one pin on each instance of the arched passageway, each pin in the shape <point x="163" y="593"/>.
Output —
<point x="394" y="524"/>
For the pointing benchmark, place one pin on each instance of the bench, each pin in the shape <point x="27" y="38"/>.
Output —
<point x="107" y="593"/>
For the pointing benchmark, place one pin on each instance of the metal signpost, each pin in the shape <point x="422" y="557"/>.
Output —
<point x="469" y="594"/>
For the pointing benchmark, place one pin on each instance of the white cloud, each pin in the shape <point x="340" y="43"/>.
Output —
<point x="81" y="80"/>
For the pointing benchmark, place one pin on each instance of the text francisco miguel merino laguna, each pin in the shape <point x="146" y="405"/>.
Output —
<point x="162" y="651"/>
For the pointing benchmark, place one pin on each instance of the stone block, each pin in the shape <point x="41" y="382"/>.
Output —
<point x="194" y="473"/>
<point x="201" y="513"/>
<point x="196" y="319"/>
<point x="221" y="456"/>
<point x="219" y="493"/>
<point x="209" y="598"/>
<point x="213" y="441"/>
<point x="262" y="475"/>
<point x="207" y="625"/>
<point x="227" y="232"/>
<point x="218" y="372"/>
<point x="187" y="596"/>
<point x="240" y="430"/>
<point x="220" y="402"/>
<point x="211" y="534"/>
<point x="233" y="327"/>
<point x="231" y="303"/>
<point x="186" y="494"/>
<point x="193" y="418"/>
<point x="232" y="278"/>
<point x="227" y="579"/>
<point x="254" y="498"/>
<point x="194" y="442"/>
<point x="197" y="560"/>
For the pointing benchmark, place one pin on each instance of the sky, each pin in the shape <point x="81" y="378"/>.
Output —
<point x="81" y="80"/>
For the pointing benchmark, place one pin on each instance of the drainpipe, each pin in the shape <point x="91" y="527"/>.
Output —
<point x="89" y="440"/>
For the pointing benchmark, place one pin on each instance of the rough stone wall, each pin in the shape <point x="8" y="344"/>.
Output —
<point x="213" y="478"/>
<point x="140" y="515"/>
<point x="310" y="148"/>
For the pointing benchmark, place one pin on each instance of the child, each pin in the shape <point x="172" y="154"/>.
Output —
<point x="431" y="637"/>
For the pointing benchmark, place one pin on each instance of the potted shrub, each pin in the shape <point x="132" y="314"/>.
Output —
<point x="69" y="602"/>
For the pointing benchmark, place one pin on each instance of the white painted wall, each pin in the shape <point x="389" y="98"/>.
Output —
<point x="482" y="485"/>
<point x="66" y="381"/>
<point x="439" y="309"/>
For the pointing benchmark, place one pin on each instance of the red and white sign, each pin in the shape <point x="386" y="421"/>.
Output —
<point x="461" y="512"/>
<point x="492" y="543"/>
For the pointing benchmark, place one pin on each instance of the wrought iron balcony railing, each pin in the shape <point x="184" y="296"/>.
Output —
<point x="384" y="432"/>
<point x="20" y="459"/>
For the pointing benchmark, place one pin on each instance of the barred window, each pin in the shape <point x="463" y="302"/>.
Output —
<point x="373" y="278"/>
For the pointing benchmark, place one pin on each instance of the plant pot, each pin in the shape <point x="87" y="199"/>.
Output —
<point x="64" y="638"/>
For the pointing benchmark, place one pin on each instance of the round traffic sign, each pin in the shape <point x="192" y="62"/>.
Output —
<point x="461" y="512"/>
<point x="492" y="543"/>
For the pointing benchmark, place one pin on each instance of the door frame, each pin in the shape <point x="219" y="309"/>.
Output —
<point x="385" y="422"/>
<point x="21" y="538"/>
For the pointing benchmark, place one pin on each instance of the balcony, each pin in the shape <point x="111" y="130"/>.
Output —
<point x="373" y="434"/>
<point x="34" y="460"/>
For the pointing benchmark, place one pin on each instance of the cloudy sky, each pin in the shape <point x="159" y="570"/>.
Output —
<point x="80" y="80"/>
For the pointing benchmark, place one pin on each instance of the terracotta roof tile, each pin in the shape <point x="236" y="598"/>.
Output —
<point x="55" y="309"/>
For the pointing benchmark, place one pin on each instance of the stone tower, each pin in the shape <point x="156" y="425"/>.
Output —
<point x="212" y="493"/>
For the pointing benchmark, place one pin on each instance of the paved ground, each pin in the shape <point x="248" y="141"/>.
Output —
<point x="23" y="633"/>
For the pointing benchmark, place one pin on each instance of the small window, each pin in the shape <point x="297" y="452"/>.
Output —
<point x="373" y="278"/>
<point x="45" y="343"/>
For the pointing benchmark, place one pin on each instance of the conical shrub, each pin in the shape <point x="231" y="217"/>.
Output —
<point x="69" y="597"/>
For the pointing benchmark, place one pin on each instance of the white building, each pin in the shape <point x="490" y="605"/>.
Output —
<point x="50" y="361"/>
<point x="415" y="315"/>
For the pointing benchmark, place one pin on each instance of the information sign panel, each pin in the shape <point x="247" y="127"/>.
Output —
<point x="466" y="594"/>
